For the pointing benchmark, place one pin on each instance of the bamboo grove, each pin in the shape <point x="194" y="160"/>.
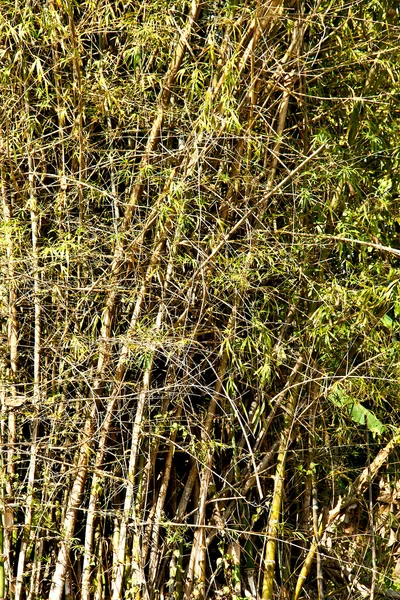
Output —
<point x="199" y="299"/>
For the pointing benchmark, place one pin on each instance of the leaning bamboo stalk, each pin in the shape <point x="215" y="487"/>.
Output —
<point x="12" y="329"/>
<point x="19" y="583"/>
<point x="73" y="504"/>
<point x="197" y="557"/>
<point x="264" y="18"/>
<point x="41" y="567"/>
<point x="281" y="121"/>
<point x="148" y="470"/>
<point x="240" y="222"/>
<point x="145" y="478"/>
<point x="165" y="94"/>
<point x="187" y="491"/>
<point x="164" y="99"/>
<point x="273" y="522"/>
<point x="278" y="400"/>
<point x="111" y="151"/>
<point x="195" y="576"/>
<point x="91" y="510"/>
<point x="359" y="486"/>
<point x="248" y="485"/>
<point x="271" y="190"/>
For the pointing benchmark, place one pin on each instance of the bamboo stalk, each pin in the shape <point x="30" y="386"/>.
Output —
<point x="273" y="522"/>
<point x="77" y="489"/>
<point x="372" y="525"/>
<point x="276" y="504"/>
<point x="264" y="18"/>
<point x="77" y="90"/>
<point x="129" y="496"/>
<point x="73" y="504"/>
<point x="192" y="477"/>
<point x="91" y="510"/>
<point x="55" y="33"/>
<point x="164" y="99"/>
<point x="154" y="555"/>
<point x="235" y="551"/>
<point x="104" y="354"/>
<point x="3" y="555"/>
<point x="99" y="589"/>
<point x="240" y="222"/>
<point x="12" y="345"/>
<point x="34" y="588"/>
<point x="153" y="528"/>
<point x="19" y="584"/>
<point x="99" y="288"/>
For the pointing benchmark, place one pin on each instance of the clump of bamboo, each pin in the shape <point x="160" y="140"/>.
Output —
<point x="198" y="249"/>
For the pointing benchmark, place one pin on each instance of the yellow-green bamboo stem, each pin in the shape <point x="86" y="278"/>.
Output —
<point x="273" y="524"/>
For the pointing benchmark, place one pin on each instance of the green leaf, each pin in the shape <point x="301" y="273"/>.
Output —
<point x="356" y="411"/>
<point x="387" y="321"/>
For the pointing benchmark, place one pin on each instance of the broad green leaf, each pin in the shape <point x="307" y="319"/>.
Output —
<point x="356" y="411"/>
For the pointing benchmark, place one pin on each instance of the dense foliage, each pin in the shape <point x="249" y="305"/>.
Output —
<point x="199" y="367"/>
